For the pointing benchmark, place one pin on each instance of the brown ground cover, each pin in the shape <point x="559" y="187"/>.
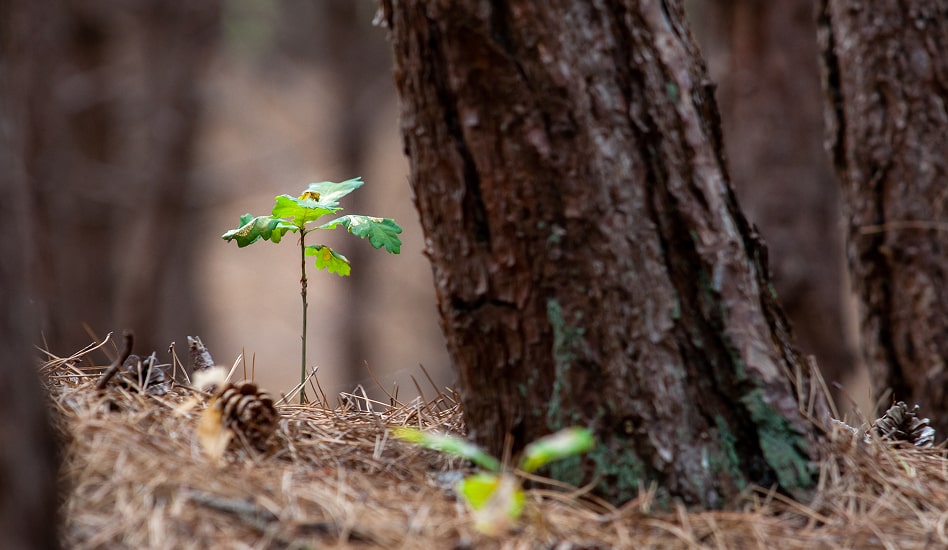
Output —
<point x="137" y="477"/>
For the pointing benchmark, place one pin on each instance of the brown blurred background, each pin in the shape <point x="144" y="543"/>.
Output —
<point x="301" y="91"/>
<point x="143" y="129"/>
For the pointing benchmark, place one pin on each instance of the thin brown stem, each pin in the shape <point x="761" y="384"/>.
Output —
<point x="129" y="339"/>
<point x="303" y="285"/>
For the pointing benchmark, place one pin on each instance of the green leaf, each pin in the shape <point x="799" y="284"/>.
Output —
<point x="496" y="499"/>
<point x="252" y="228"/>
<point x="449" y="444"/>
<point x="564" y="443"/>
<point x="478" y="488"/>
<point x="329" y="259"/>
<point x="302" y="210"/>
<point x="380" y="231"/>
<point x="330" y="192"/>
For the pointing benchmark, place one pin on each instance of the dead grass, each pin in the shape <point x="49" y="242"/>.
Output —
<point x="137" y="478"/>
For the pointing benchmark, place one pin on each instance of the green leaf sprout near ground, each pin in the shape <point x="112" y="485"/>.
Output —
<point x="495" y="496"/>
<point x="294" y="214"/>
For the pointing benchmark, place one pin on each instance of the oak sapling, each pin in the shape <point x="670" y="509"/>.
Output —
<point x="495" y="496"/>
<point x="295" y="214"/>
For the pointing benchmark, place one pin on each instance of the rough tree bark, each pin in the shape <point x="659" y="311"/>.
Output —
<point x="764" y="57"/>
<point x="886" y="85"/>
<point x="110" y="108"/>
<point x="591" y="263"/>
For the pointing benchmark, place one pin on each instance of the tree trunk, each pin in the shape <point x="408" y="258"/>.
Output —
<point x="886" y="85"/>
<point x="28" y="454"/>
<point x="765" y="58"/>
<point x="110" y="107"/>
<point x="591" y="263"/>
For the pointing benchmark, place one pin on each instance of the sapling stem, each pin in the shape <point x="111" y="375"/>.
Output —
<point x="303" y="284"/>
<point x="292" y="214"/>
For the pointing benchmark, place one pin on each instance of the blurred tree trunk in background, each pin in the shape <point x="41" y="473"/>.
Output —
<point x="107" y="94"/>
<point x="591" y="263"/>
<point x="886" y="91"/>
<point x="765" y="59"/>
<point x="28" y="476"/>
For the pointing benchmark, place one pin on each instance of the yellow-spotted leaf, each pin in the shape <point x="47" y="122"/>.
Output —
<point x="381" y="232"/>
<point x="260" y="227"/>
<point x="329" y="259"/>
<point x="329" y="192"/>
<point x="302" y="210"/>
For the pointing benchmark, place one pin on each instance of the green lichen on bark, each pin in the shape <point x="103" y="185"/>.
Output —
<point x="619" y="467"/>
<point x="620" y="471"/>
<point x="728" y="461"/>
<point x="568" y="470"/>
<point x="568" y="342"/>
<point x="782" y="444"/>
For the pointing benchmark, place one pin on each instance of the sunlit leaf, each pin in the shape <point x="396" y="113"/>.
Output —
<point x="564" y="443"/>
<point x="330" y="191"/>
<point x="496" y="501"/>
<point x="253" y="228"/>
<point x="329" y="259"/>
<point x="381" y="232"/>
<point x="478" y="488"/>
<point x="449" y="444"/>
<point x="301" y="210"/>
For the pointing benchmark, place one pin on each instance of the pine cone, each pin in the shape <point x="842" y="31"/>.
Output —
<point x="134" y="373"/>
<point x="137" y="373"/>
<point x="249" y="412"/>
<point x="901" y="424"/>
<point x="198" y="355"/>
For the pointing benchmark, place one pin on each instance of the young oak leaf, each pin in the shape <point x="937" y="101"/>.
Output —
<point x="562" y="444"/>
<point x="253" y="228"/>
<point x="329" y="259"/>
<point x="449" y="444"/>
<point x="331" y="191"/>
<point x="496" y="501"/>
<point x="302" y="209"/>
<point x="496" y="498"/>
<point x="381" y="232"/>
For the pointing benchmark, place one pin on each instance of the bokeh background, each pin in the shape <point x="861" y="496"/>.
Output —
<point x="298" y="92"/>
<point x="145" y="128"/>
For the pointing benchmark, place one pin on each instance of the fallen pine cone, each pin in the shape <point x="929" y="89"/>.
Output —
<point x="243" y="410"/>
<point x="249" y="412"/>
<point x="900" y="423"/>
<point x="134" y="373"/>
<point x="198" y="355"/>
<point x="137" y="373"/>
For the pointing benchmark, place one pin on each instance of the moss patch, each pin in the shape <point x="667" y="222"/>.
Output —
<point x="727" y="462"/>
<point x="780" y="442"/>
<point x="568" y="342"/>
<point x="621" y="472"/>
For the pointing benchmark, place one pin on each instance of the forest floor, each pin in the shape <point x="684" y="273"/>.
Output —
<point x="138" y="477"/>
